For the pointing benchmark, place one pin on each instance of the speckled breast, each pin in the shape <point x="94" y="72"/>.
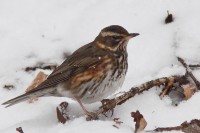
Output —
<point x="99" y="81"/>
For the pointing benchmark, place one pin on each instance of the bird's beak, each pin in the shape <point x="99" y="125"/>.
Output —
<point x="131" y="35"/>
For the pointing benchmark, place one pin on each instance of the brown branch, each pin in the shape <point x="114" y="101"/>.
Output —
<point x="9" y="86"/>
<point x="108" y="105"/>
<point x="166" y="89"/>
<point x="41" y="66"/>
<point x="187" y="127"/>
<point x="194" y="66"/>
<point x="189" y="72"/>
<point x="162" y="129"/>
<point x="117" y="122"/>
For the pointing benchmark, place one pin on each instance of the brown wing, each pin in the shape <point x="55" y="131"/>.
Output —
<point x="79" y="61"/>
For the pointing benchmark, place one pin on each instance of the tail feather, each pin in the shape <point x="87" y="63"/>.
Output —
<point x="16" y="100"/>
<point x="28" y="95"/>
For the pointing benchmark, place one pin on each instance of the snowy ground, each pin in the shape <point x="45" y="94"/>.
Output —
<point x="41" y="31"/>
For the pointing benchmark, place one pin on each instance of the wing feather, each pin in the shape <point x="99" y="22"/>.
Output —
<point x="76" y="63"/>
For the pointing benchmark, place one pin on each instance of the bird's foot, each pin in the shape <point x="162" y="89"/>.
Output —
<point x="92" y="116"/>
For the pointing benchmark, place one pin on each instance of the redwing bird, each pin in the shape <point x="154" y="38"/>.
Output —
<point x="91" y="73"/>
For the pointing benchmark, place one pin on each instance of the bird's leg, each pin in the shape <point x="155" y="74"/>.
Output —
<point x="91" y="115"/>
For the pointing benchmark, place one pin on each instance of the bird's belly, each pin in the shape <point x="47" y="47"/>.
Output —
<point x="108" y="86"/>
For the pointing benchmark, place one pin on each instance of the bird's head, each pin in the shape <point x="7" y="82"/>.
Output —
<point x="114" y="38"/>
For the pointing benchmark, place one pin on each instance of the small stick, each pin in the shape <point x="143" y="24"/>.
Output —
<point x="189" y="72"/>
<point x="162" y="129"/>
<point x="193" y="66"/>
<point x="167" y="89"/>
<point x="187" y="127"/>
<point x="110" y="104"/>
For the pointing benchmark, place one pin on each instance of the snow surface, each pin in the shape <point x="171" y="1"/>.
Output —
<point x="33" y="31"/>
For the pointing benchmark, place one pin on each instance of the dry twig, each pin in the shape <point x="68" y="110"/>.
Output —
<point x="117" y="122"/>
<point x="187" y="127"/>
<point x="189" y="72"/>
<point x="167" y="88"/>
<point x="110" y="104"/>
<point x="41" y="66"/>
<point x="9" y="86"/>
<point x="194" y="66"/>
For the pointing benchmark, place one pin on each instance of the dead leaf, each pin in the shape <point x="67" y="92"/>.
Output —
<point x="19" y="129"/>
<point x="189" y="90"/>
<point x="62" y="113"/>
<point x="41" y="76"/>
<point x="140" y="121"/>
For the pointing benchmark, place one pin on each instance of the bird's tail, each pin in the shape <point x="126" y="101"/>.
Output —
<point x="28" y="95"/>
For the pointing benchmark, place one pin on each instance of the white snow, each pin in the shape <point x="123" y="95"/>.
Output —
<point x="33" y="31"/>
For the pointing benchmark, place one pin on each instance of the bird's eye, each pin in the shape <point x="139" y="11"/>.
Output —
<point x="115" y="37"/>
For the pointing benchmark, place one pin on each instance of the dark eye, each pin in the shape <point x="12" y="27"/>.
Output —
<point x="115" y="37"/>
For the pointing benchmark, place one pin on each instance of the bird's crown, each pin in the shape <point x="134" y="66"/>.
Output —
<point x="114" y="30"/>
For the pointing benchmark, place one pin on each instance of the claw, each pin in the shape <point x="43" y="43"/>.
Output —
<point x="91" y="116"/>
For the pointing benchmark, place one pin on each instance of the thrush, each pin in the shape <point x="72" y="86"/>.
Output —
<point x="91" y="73"/>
